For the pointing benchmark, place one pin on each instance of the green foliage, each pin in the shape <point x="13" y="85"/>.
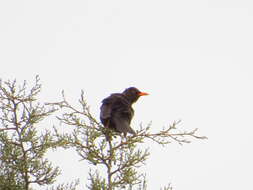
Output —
<point x="67" y="186"/>
<point x="22" y="147"/>
<point x="96" y="181"/>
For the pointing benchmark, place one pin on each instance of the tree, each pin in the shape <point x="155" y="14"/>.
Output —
<point x="22" y="146"/>
<point x="119" y="158"/>
<point x="23" y="143"/>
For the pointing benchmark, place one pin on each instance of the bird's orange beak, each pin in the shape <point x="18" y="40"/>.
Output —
<point x="143" y="94"/>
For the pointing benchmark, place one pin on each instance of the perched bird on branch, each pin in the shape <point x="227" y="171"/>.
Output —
<point x="116" y="111"/>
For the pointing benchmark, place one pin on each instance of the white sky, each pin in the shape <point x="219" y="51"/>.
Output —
<point x="193" y="57"/>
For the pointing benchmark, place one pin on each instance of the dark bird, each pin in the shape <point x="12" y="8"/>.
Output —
<point x="116" y="111"/>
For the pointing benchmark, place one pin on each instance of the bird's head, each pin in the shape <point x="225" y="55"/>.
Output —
<point x="132" y="94"/>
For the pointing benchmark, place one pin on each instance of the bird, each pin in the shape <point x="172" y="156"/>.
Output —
<point x="116" y="111"/>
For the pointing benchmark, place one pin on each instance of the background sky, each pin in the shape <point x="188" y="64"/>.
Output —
<point x="193" y="57"/>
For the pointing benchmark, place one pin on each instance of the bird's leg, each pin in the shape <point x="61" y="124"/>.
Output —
<point x="107" y="124"/>
<point x="121" y="138"/>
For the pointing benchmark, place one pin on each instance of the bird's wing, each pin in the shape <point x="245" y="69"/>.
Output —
<point x="105" y="110"/>
<point x="122" y="122"/>
<point x="111" y="103"/>
<point x="108" y="106"/>
<point x="118" y="110"/>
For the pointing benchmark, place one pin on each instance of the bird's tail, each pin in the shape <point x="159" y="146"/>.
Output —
<point x="107" y="132"/>
<point x="108" y="136"/>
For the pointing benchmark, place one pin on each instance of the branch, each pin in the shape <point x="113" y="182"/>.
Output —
<point x="166" y="135"/>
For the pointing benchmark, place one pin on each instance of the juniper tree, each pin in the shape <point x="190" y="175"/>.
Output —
<point x="120" y="157"/>
<point x="22" y="144"/>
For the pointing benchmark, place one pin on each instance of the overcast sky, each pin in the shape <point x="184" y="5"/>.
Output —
<point x="195" y="58"/>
